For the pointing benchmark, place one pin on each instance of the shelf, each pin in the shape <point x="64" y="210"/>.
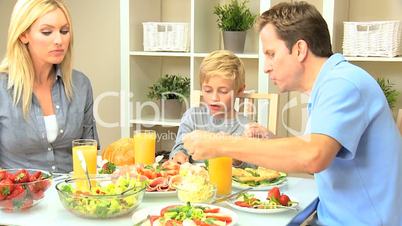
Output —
<point x="166" y="122"/>
<point x="240" y="55"/>
<point x="162" y="54"/>
<point x="187" y="54"/>
<point x="375" y="59"/>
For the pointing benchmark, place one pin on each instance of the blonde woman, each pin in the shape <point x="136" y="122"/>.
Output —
<point x="45" y="104"/>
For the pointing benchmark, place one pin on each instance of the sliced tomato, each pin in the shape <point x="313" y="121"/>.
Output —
<point x="211" y="210"/>
<point x="149" y="174"/>
<point x="242" y="204"/>
<point x="173" y="223"/>
<point x="153" y="218"/>
<point x="220" y="217"/>
<point x="167" y="208"/>
<point x="202" y="223"/>
<point x="171" y="172"/>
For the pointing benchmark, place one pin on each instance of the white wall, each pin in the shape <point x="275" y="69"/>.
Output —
<point x="96" y="53"/>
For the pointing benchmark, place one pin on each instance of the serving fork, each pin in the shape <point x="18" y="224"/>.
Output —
<point x="231" y="196"/>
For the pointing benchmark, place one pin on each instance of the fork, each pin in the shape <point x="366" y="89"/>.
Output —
<point x="139" y="223"/>
<point x="231" y="196"/>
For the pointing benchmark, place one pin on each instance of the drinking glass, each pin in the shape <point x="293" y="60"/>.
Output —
<point x="88" y="148"/>
<point x="220" y="174"/>
<point x="144" y="146"/>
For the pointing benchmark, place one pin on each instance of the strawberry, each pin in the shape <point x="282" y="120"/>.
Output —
<point x="284" y="200"/>
<point x="39" y="185"/>
<point x="21" y="176"/>
<point x="37" y="175"/>
<point x="27" y="203"/>
<point x="37" y="195"/>
<point x="3" y="175"/>
<point x="17" y="194"/>
<point x="11" y="177"/>
<point x="6" y="204"/>
<point x="108" y="168"/>
<point x="6" y="187"/>
<point x="274" y="194"/>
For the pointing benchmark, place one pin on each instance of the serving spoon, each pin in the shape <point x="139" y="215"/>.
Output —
<point x="84" y="167"/>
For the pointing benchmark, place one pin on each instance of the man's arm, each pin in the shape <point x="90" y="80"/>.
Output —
<point x="311" y="153"/>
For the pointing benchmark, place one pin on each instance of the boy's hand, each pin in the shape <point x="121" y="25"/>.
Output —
<point x="257" y="131"/>
<point x="180" y="158"/>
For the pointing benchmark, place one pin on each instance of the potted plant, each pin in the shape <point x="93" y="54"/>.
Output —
<point x="170" y="91"/>
<point x="390" y="93"/>
<point x="234" y="19"/>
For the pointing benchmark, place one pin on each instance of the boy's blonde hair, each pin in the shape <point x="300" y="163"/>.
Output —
<point x="18" y="63"/>
<point x="225" y="64"/>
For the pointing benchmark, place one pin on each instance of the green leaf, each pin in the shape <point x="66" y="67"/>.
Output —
<point x="170" y="87"/>
<point x="390" y="93"/>
<point x="234" y="16"/>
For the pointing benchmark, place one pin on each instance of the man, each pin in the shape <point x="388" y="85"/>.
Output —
<point x="351" y="143"/>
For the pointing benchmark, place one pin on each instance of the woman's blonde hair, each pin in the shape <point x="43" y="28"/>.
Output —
<point x="18" y="63"/>
<point x="225" y="64"/>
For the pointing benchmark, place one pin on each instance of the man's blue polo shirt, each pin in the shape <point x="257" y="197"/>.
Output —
<point x="363" y="184"/>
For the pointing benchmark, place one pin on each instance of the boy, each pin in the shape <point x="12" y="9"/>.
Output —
<point x="222" y="79"/>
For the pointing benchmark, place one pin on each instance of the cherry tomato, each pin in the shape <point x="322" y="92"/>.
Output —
<point x="274" y="193"/>
<point x="284" y="200"/>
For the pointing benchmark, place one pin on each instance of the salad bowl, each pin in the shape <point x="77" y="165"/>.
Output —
<point x="109" y="196"/>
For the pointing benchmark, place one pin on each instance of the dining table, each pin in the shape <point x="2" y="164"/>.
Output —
<point x="50" y="212"/>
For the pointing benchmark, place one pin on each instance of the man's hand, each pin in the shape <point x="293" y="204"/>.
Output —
<point x="256" y="130"/>
<point x="201" y="144"/>
<point x="180" y="158"/>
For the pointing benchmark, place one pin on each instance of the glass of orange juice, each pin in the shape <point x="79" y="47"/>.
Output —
<point x="144" y="146"/>
<point x="220" y="174"/>
<point x="88" y="148"/>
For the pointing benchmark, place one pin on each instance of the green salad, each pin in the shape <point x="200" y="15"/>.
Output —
<point x="106" y="199"/>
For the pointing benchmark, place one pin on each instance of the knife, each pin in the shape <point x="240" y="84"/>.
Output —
<point x="231" y="196"/>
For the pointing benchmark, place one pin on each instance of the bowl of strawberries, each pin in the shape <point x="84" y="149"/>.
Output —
<point x="21" y="189"/>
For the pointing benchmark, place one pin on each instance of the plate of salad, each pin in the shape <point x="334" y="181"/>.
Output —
<point x="178" y="214"/>
<point x="258" y="179"/>
<point x="264" y="202"/>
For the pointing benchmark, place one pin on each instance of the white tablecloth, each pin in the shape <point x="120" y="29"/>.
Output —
<point x="50" y="212"/>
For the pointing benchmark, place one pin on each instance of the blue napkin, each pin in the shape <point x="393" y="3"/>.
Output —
<point x="304" y="214"/>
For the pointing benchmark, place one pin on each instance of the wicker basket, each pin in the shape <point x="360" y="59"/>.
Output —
<point x="162" y="36"/>
<point x="374" y="38"/>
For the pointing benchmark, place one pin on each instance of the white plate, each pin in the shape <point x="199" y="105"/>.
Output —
<point x="160" y="194"/>
<point x="262" y="196"/>
<point x="265" y="187"/>
<point x="142" y="213"/>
